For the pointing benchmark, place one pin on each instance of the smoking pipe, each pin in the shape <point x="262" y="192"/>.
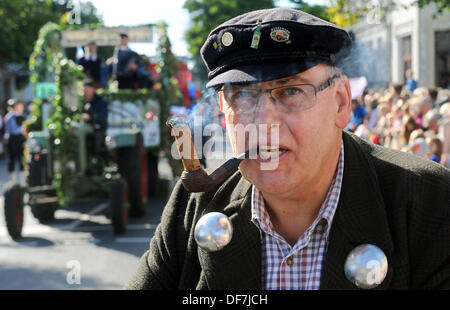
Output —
<point x="194" y="178"/>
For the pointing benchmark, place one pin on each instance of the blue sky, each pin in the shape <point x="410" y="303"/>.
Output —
<point x="135" y="12"/>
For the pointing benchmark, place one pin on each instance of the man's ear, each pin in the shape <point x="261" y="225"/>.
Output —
<point x="344" y="101"/>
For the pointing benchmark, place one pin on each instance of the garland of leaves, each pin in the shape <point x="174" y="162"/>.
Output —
<point x="167" y="69"/>
<point x="41" y="65"/>
<point x="48" y="64"/>
<point x="65" y="146"/>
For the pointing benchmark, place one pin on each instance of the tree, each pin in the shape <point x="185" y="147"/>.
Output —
<point x="347" y="12"/>
<point x="207" y="15"/>
<point x="316" y="9"/>
<point x="440" y="4"/>
<point x="22" y="19"/>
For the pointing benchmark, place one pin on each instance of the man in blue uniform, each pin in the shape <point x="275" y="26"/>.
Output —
<point x="94" y="66"/>
<point x="129" y="70"/>
<point x="96" y="107"/>
<point x="96" y="114"/>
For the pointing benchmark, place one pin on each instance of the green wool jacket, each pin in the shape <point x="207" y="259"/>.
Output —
<point x="394" y="200"/>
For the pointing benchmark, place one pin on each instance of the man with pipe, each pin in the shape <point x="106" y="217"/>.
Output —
<point x="335" y="212"/>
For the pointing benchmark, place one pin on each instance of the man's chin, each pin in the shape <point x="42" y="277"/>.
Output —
<point x="268" y="181"/>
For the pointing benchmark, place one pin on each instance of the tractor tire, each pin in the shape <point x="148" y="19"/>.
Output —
<point x="132" y="163"/>
<point x="13" y="210"/>
<point x="118" y="205"/>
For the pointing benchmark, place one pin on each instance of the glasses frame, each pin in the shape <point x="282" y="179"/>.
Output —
<point x="317" y="89"/>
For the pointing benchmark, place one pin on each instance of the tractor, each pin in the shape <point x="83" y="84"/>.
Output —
<point x="68" y="158"/>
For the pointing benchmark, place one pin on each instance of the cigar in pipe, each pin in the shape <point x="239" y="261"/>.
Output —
<point x="194" y="177"/>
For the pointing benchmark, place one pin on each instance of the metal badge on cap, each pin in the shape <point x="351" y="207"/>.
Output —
<point x="366" y="266"/>
<point x="280" y="34"/>
<point x="227" y="39"/>
<point x="256" y="36"/>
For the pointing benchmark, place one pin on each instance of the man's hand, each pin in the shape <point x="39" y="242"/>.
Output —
<point x="85" y="117"/>
<point x="111" y="61"/>
<point x="133" y="66"/>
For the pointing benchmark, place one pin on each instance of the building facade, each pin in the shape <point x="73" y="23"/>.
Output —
<point x="404" y="38"/>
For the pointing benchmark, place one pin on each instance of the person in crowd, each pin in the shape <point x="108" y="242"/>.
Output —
<point x="358" y="114"/>
<point x="392" y="134"/>
<point x="433" y="95"/>
<point x="411" y="84"/>
<point x="435" y="150"/>
<point x="15" y="139"/>
<point x="94" y="66"/>
<point x="374" y="114"/>
<point x="382" y="125"/>
<point x="418" y="147"/>
<point x="128" y="68"/>
<point x="408" y="127"/>
<point x="95" y="106"/>
<point x="96" y="113"/>
<point x="395" y="93"/>
<point x="363" y="131"/>
<point x="444" y="133"/>
<point x="430" y="122"/>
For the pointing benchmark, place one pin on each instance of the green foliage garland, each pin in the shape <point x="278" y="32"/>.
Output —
<point x="167" y="69"/>
<point x="41" y="65"/>
<point x="60" y="125"/>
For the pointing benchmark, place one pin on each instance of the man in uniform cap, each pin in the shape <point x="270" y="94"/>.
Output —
<point x="94" y="66"/>
<point x="128" y="69"/>
<point x="14" y="135"/>
<point x="303" y="224"/>
<point x="96" y="113"/>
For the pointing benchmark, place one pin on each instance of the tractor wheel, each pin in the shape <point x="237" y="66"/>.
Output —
<point x="13" y="210"/>
<point x="118" y="204"/>
<point x="132" y="167"/>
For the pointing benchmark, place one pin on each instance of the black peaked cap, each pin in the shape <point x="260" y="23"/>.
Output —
<point x="290" y="42"/>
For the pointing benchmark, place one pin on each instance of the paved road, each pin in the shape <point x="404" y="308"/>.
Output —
<point x="80" y="239"/>
<point x="80" y="236"/>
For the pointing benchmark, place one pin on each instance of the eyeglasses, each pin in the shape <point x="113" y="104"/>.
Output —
<point x="289" y="98"/>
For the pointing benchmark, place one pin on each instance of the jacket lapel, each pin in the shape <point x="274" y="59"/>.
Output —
<point x="360" y="218"/>
<point x="238" y="265"/>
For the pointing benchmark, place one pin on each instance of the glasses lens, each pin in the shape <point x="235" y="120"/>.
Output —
<point x="290" y="98"/>
<point x="241" y="99"/>
<point x="295" y="97"/>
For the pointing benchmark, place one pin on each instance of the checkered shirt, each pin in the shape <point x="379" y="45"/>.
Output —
<point x="299" y="267"/>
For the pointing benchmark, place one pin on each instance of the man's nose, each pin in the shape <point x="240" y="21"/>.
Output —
<point x="266" y="109"/>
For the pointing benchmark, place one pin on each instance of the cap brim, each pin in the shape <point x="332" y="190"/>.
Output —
<point x="261" y="72"/>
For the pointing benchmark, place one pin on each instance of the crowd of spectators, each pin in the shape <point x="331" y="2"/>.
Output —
<point x="411" y="121"/>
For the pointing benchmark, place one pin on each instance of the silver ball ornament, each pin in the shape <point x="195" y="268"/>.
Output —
<point x="213" y="231"/>
<point x="366" y="266"/>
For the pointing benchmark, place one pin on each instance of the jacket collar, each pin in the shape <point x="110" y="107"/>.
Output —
<point x="360" y="218"/>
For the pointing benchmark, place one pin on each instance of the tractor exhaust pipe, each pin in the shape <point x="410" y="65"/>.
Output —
<point x="194" y="177"/>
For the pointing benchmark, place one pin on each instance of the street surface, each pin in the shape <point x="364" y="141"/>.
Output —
<point x="79" y="239"/>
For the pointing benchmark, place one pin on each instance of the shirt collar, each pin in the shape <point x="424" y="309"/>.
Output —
<point x="261" y="218"/>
